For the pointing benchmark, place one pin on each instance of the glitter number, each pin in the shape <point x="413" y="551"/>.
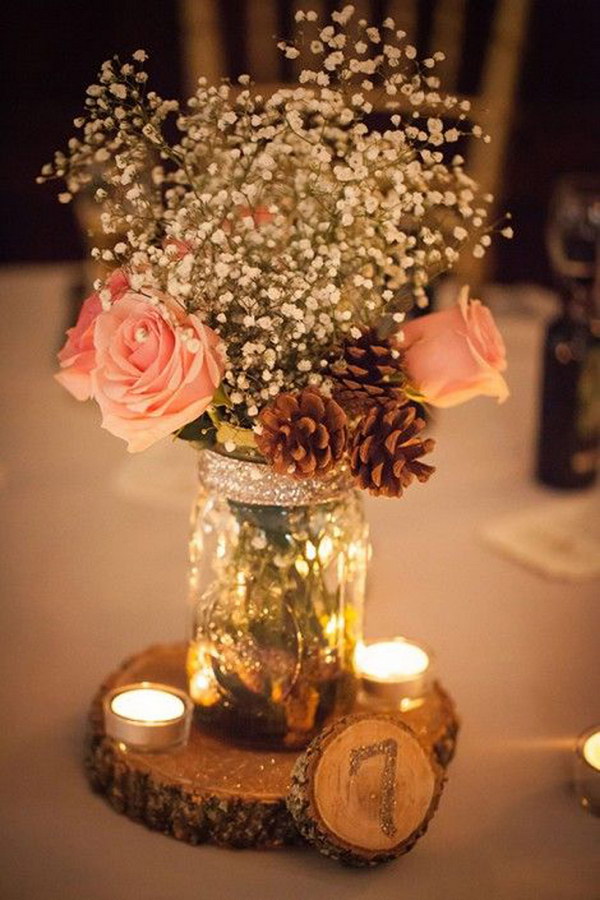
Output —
<point x="389" y="750"/>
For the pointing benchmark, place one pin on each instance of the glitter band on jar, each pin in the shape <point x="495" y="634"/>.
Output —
<point x="246" y="481"/>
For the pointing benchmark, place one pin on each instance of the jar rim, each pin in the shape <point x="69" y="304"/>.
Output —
<point x="254" y="482"/>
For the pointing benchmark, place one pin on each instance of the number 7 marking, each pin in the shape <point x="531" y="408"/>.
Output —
<point x="389" y="750"/>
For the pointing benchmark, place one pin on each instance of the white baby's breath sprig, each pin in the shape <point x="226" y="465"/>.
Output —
<point x="286" y="222"/>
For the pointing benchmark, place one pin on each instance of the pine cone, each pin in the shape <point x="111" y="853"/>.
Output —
<point x="385" y="447"/>
<point x="303" y="434"/>
<point x="364" y="372"/>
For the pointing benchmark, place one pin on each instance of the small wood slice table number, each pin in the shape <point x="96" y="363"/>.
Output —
<point x="365" y="790"/>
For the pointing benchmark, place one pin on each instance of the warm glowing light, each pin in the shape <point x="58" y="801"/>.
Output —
<point x="311" y="551"/>
<point x="332" y="626"/>
<point x="203" y="687"/>
<point x="146" y="716"/>
<point x="302" y="567"/>
<point x="396" y="674"/>
<point x="325" y="550"/>
<point x="586" y="769"/>
<point x="148" y="705"/>
<point x="202" y="684"/>
<point x="241" y="586"/>
<point x="391" y="660"/>
<point x="591" y="750"/>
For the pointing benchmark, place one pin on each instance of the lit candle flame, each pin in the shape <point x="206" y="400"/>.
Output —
<point x="591" y="750"/>
<point x="148" y="705"/>
<point x="391" y="660"/>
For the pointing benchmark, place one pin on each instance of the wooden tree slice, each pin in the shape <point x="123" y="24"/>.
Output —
<point x="212" y="790"/>
<point x="209" y="790"/>
<point x="365" y="789"/>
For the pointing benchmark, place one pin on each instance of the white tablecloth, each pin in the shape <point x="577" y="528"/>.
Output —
<point x="94" y="569"/>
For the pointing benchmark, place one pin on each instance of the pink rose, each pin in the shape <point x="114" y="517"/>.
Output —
<point x="456" y="354"/>
<point x="157" y="368"/>
<point x="78" y="356"/>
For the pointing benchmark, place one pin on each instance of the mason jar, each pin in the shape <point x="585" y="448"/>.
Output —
<point x="277" y="585"/>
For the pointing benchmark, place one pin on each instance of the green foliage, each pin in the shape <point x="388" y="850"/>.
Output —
<point x="201" y="432"/>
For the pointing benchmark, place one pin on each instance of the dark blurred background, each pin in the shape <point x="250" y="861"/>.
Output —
<point x="53" y="49"/>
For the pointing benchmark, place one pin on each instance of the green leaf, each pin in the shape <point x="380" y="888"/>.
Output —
<point x="220" y="397"/>
<point x="201" y="431"/>
<point x="241" y="437"/>
<point x="413" y="394"/>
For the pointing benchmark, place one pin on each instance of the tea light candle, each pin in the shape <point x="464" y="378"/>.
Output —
<point x="147" y="716"/>
<point x="397" y="672"/>
<point x="587" y="769"/>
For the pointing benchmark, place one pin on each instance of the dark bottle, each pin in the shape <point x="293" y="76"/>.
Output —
<point x="568" y="434"/>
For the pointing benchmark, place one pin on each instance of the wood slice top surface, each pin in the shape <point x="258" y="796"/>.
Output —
<point x="207" y="763"/>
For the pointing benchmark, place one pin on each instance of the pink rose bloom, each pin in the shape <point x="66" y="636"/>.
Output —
<point x="456" y="354"/>
<point x="157" y="369"/>
<point x="78" y="356"/>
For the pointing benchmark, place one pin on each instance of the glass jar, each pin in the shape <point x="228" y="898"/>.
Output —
<point x="277" y="584"/>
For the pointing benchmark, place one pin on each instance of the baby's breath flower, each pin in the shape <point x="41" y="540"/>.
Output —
<point x="286" y="223"/>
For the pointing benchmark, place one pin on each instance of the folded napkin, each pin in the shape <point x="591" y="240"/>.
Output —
<point x="559" y="539"/>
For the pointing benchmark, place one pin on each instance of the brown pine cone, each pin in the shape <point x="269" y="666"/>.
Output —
<point x="364" y="373"/>
<point x="303" y="434"/>
<point x="385" y="447"/>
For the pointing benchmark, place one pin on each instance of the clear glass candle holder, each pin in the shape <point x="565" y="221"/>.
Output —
<point x="396" y="673"/>
<point x="586" y="775"/>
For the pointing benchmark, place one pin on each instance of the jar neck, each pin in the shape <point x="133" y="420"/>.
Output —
<point x="256" y="483"/>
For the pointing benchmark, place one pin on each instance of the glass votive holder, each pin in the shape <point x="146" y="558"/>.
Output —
<point x="586" y="775"/>
<point x="148" y="716"/>
<point x="394" y="674"/>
